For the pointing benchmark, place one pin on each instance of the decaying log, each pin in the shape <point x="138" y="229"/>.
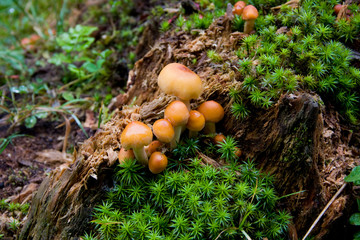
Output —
<point x="285" y="140"/>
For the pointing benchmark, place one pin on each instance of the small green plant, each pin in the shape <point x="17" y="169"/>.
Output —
<point x="354" y="177"/>
<point x="164" y="26"/>
<point x="4" y="142"/>
<point x="14" y="225"/>
<point x="214" y="56"/>
<point x="228" y="149"/>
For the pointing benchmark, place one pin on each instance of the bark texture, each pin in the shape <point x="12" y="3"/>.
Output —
<point x="287" y="140"/>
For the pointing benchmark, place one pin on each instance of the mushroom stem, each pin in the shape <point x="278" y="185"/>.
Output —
<point x="187" y="103"/>
<point x="249" y="26"/>
<point x="141" y="156"/>
<point x="176" y="139"/>
<point x="209" y="128"/>
<point x="193" y="134"/>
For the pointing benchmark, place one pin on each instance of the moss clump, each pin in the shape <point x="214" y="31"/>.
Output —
<point x="202" y="202"/>
<point x="305" y="48"/>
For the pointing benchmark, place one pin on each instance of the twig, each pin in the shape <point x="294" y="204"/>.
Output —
<point x="324" y="210"/>
<point x="67" y="133"/>
<point x="224" y="231"/>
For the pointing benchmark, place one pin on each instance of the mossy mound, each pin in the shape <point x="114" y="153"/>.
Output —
<point x="201" y="202"/>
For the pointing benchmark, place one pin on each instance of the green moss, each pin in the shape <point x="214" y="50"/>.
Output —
<point x="311" y="56"/>
<point x="199" y="203"/>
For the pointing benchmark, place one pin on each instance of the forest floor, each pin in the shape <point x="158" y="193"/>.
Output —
<point x="31" y="156"/>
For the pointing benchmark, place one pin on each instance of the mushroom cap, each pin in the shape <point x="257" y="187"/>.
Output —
<point x="163" y="130"/>
<point x="177" y="113"/>
<point x="239" y="7"/>
<point x="196" y="121"/>
<point x="337" y="8"/>
<point x="157" y="162"/>
<point x="178" y="80"/>
<point x="125" y="154"/>
<point x="152" y="147"/>
<point x="212" y="111"/>
<point x="135" y="135"/>
<point x="219" y="138"/>
<point x="249" y="13"/>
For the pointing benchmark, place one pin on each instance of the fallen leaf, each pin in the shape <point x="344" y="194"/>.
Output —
<point x="53" y="157"/>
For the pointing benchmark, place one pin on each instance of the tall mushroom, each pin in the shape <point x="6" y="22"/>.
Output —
<point x="178" y="114"/>
<point x="178" y="80"/>
<point x="249" y="14"/>
<point x="213" y="113"/>
<point x="135" y="136"/>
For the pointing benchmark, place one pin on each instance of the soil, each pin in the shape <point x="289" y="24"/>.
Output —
<point x="20" y="163"/>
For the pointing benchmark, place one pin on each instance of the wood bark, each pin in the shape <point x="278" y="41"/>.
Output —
<point x="285" y="140"/>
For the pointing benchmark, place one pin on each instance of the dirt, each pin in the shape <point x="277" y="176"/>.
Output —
<point x="20" y="163"/>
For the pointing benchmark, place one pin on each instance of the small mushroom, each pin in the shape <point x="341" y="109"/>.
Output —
<point x="250" y="14"/>
<point x="178" y="114"/>
<point x="238" y="152"/>
<point x="157" y="162"/>
<point x="238" y="8"/>
<point x="195" y="123"/>
<point x="163" y="130"/>
<point x="135" y="136"/>
<point x="125" y="154"/>
<point x="213" y="113"/>
<point x="178" y="80"/>
<point x="337" y="8"/>
<point x="219" y="138"/>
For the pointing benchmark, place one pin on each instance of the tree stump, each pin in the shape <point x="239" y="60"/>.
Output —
<point x="286" y="140"/>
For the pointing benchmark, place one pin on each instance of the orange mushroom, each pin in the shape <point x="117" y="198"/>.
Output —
<point x="178" y="114"/>
<point x="250" y="14"/>
<point x="178" y="80"/>
<point x="195" y="123"/>
<point x="213" y="113"/>
<point x="219" y="138"/>
<point x="238" y="7"/>
<point x="337" y="8"/>
<point x="152" y="147"/>
<point x="135" y="136"/>
<point x="157" y="162"/>
<point x="125" y="154"/>
<point x="163" y="130"/>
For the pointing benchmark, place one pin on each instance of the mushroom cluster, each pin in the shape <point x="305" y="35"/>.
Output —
<point x="248" y="13"/>
<point x="137" y="138"/>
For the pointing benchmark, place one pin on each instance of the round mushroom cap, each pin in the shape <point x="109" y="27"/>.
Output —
<point x="239" y="7"/>
<point x="196" y="121"/>
<point x="337" y="8"/>
<point x="212" y="111"/>
<point x="178" y="80"/>
<point x="125" y="154"/>
<point x="177" y="113"/>
<point x="249" y="13"/>
<point x="219" y="138"/>
<point x="163" y="130"/>
<point x="135" y="135"/>
<point x="157" y="162"/>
